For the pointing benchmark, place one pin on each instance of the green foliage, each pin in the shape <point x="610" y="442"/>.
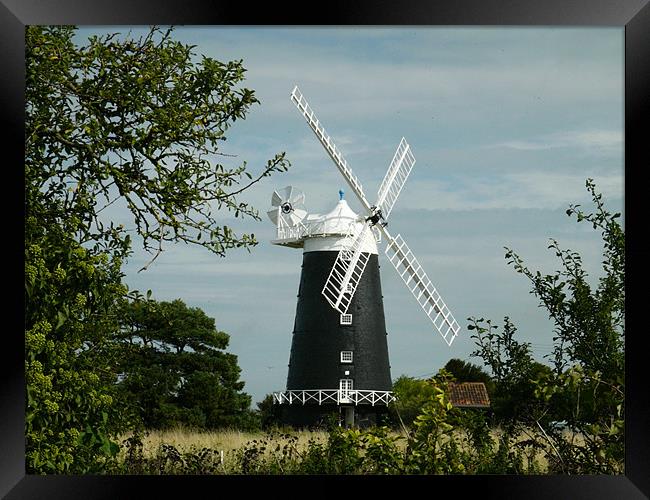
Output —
<point x="137" y="123"/>
<point x="585" y="390"/>
<point x="69" y="294"/>
<point x="269" y="413"/>
<point x="513" y="368"/>
<point x="592" y="441"/>
<point x="589" y="325"/>
<point x="412" y="394"/>
<point x="431" y="449"/>
<point x="464" y="371"/>
<point x="382" y="452"/>
<point x="449" y="440"/>
<point x="508" y="359"/>
<point x="174" y="368"/>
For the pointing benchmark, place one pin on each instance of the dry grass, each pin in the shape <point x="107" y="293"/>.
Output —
<point x="226" y="440"/>
<point x="231" y="440"/>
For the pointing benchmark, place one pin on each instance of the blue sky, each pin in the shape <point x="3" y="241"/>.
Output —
<point x="506" y="124"/>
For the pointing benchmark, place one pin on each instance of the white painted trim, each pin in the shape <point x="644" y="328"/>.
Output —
<point x="329" y="396"/>
<point x="337" y="243"/>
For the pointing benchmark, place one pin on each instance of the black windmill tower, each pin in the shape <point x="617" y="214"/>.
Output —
<point x="339" y="351"/>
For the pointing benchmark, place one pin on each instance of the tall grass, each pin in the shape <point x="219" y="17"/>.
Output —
<point x="227" y="445"/>
<point x="227" y="440"/>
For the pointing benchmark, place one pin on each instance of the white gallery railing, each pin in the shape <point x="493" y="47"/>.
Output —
<point x="336" y="396"/>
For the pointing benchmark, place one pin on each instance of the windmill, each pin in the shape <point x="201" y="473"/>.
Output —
<point x="339" y="353"/>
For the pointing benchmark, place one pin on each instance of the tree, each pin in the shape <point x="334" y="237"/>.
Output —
<point x="124" y="122"/>
<point x="513" y="369"/>
<point x="141" y="122"/>
<point x="412" y="395"/>
<point x="175" y="368"/>
<point x="71" y="411"/>
<point x="589" y="326"/>
<point x="270" y="414"/>
<point x="586" y="387"/>
<point x="464" y="371"/>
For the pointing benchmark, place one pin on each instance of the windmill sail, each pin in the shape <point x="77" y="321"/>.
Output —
<point x="416" y="280"/>
<point x="350" y="262"/>
<point x="329" y="145"/>
<point x="395" y="177"/>
<point x="347" y="270"/>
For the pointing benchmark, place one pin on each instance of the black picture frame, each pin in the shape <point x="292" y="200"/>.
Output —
<point x="634" y="15"/>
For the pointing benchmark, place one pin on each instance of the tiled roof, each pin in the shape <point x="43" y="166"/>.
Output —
<point x="469" y="394"/>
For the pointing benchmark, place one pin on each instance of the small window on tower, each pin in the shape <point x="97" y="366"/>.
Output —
<point x="346" y="319"/>
<point x="346" y="356"/>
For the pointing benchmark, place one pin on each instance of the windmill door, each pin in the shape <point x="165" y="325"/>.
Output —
<point x="345" y="389"/>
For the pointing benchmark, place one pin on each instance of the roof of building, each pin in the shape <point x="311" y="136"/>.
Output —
<point x="328" y="232"/>
<point x="469" y="395"/>
<point x="338" y="220"/>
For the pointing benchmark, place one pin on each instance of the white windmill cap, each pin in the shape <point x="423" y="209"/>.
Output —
<point x="338" y="220"/>
<point x="334" y="226"/>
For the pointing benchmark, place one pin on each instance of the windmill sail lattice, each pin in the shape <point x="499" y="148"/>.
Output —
<point x="346" y="271"/>
<point x="395" y="177"/>
<point x="350" y="262"/>
<point x="327" y="142"/>
<point x="416" y="280"/>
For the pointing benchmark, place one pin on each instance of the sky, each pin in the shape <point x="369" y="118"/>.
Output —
<point x="506" y="124"/>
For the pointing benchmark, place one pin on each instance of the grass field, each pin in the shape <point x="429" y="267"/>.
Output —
<point x="226" y="440"/>
<point x="230" y="441"/>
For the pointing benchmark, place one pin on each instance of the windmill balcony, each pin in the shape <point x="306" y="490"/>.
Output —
<point x="334" y="396"/>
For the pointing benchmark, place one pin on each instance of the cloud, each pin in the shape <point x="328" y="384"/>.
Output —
<point x="602" y="141"/>
<point x="353" y="73"/>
